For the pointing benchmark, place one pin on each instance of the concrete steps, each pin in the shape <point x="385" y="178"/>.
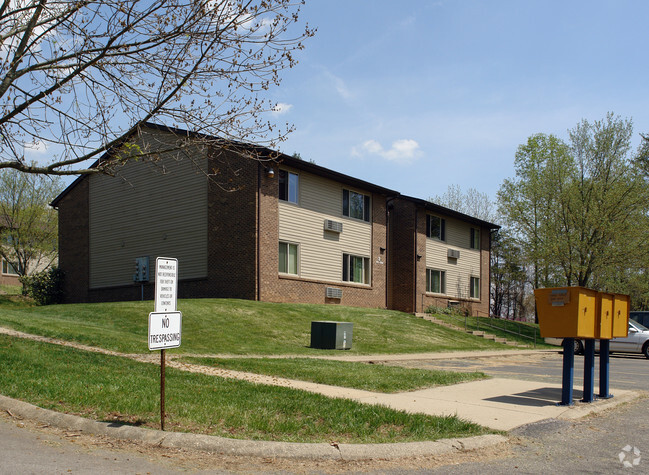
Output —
<point x="478" y="333"/>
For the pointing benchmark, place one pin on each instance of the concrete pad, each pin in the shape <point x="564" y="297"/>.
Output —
<point x="497" y="403"/>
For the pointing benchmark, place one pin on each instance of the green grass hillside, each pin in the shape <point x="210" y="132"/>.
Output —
<point x="237" y="327"/>
<point x="114" y="388"/>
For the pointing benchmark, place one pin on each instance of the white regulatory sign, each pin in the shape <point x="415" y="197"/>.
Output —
<point x="166" y="284"/>
<point x="164" y="330"/>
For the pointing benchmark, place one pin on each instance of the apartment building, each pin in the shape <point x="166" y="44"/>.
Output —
<point x="282" y="230"/>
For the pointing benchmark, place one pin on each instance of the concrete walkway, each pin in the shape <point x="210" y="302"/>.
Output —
<point x="497" y="403"/>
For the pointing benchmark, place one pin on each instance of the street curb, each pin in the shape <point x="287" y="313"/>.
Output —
<point x="208" y="443"/>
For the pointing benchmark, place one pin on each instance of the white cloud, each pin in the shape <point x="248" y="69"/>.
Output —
<point x="403" y="151"/>
<point x="38" y="147"/>
<point x="339" y="85"/>
<point x="282" y="108"/>
<point x="341" y="88"/>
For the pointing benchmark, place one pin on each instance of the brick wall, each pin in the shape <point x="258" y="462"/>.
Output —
<point x="483" y="308"/>
<point x="74" y="241"/>
<point x="402" y="221"/>
<point x="232" y="238"/>
<point x="269" y="289"/>
<point x="6" y="279"/>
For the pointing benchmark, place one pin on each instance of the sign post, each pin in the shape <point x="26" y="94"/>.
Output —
<point x="165" y="323"/>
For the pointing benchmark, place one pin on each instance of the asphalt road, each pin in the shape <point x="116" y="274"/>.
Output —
<point x="626" y="371"/>
<point x="26" y="448"/>
<point x="598" y="445"/>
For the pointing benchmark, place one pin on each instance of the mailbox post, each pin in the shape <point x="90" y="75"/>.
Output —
<point x="604" y="331"/>
<point x="589" y="371"/>
<point x="604" y="365"/>
<point x="577" y="312"/>
<point x="568" y="371"/>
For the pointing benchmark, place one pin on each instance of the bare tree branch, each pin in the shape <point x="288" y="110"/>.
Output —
<point x="79" y="78"/>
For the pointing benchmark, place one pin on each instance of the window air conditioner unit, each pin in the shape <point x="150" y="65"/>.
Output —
<point x="453" y="254"/>
<point x="333" y="293"/>
<point x="333" y="226"/>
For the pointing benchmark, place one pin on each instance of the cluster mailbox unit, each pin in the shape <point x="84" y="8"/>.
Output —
<point x="578" y="312"/>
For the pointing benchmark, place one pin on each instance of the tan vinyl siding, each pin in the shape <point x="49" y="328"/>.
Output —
<point x="458" y="271"/>
<point x="320" y="251"/>
<point x="155" y="210"/>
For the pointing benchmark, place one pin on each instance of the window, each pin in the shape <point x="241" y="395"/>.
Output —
<point x="475" y="288"/>
<point x="435" y="281"/>
<point x="7" y="268"/>
<point x="356" y="269"/>
<point x="436" y="227"/>
<point x="356" y="205"/>
<point x="287" y="258"/>
<point x="475" y="238"/>
<point x="288" y="185"/>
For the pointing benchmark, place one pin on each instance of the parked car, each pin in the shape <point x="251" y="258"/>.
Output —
<point x="640" y="317"/>
<point x="636" y="342"/>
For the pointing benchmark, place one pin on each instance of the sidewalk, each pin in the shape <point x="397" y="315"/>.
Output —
<point x="497" y="403"/>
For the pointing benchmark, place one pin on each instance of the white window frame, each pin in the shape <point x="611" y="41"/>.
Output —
<point x="287" y="263"/>
<point x="292" y="185"/>
<point x="442" y="281"/>
<point x="474" y="287"/>
<point x="348" y="268"/>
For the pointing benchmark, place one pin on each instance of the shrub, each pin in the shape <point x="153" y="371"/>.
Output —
<point x="46" y="288"/>
<point x="454" y="311"/>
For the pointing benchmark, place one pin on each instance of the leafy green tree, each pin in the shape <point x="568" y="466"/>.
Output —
<point x="531" y="202"/>
<point x="28" y="226"/>
<point x="579" y="210"/>
<point x="606" y="218"/>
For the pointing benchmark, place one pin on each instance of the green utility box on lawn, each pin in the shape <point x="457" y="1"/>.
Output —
<point x="331" y="335"/>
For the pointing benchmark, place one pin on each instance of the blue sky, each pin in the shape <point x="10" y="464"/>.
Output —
<point x="419" y="95"/>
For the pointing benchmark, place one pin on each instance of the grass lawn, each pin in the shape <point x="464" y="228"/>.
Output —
<point x="11" y="289"/>
<point x="370" y="377"/>
<point x="238" y="327"/>
<point x="117" y="389"/>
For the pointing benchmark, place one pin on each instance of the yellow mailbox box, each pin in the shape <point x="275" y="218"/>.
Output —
<point x="604" y="317"/>
<point x="566" y="312"/>
<point x="621" y="307"/>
